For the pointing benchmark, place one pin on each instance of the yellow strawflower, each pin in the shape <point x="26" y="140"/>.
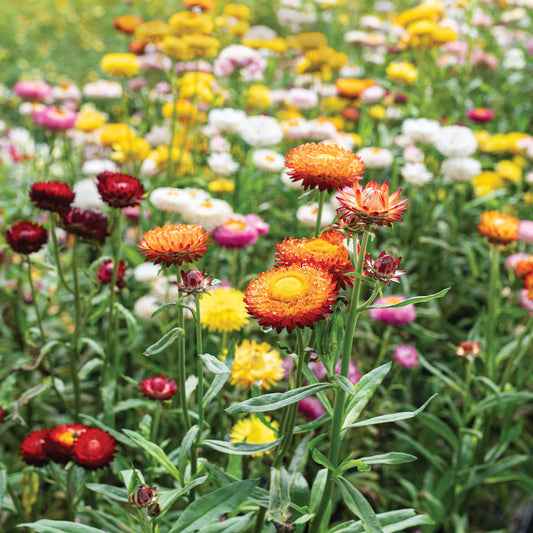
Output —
<point x="223" y="310"/>
<point x="402" y="71"/>
<point x="120" y="65"/>
<point x="252" y="430"/>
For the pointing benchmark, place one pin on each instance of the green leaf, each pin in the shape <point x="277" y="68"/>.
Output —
<point x="186" y="444"/>
<point x="354" y="463"/>
<point x="167" y="499"/>
<point x="278" y="505"/>
<point x="240" y="448"/>
<point x="439" y="374"/>
<point x="439" y="427"/>
<point x="97" y="348"/>
<point x="60" y="526"/>
<point x="259" y="496"/>
<point x="391" y="458"/>
<point x="212" y="506"/>
<point x="318" y="456"/>
<point x="276" y="400"/>
<point x="395" y="417"/>
<point x="221" y="372"/>
<point x="213" y="364"/>
<point x="162" y="308"/>
<point x="131" y="321"/>
<point x="311" y="378"/>
<point x="115" y="493"/>
<point x="364" y="391"/>
<point x="501" y="400"/>
<point x="391" y="521"/>
<point x="166" y="340"/>
<point x="413" y="300"/>
<point x="344" y="383"/>
<point x="358" y="504"/>
<point x="155" y="451"/>
<point x="319" y="484"/>
<point x="232" y="525"/>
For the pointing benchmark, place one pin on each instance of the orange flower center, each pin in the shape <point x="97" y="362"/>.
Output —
<point x="373" y="199"/>
<point x="235" y="225"/>
<point x="391" y="300"/>
<point x="319" y="246"/>
<point x="270" y="158"/>
<point x="324" y="156"/>
<point x="287" y="286"/>
<point x="207" y="203"/>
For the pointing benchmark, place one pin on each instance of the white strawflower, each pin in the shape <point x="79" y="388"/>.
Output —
<point x="420" y="130"/>
<point x="456" y="141"/>
<point x="372" y="95"/>
<point x="149" y="168"/>
<point x="321" y="129"/>
<point x="261" y="131"/>
<point x="87" y="195"/>
<point x="209" y="213"/>
<point x="145" y="306"/>
<point x="514" y="59"/>
<point x="301" y="98"/>
<point x="416" y="174"/>
<point x="175" y="200"/>
<point x="226" y="120"/>
<point x="375" y="157"/>
<point x="222" y="163"/>
<point x="268" y="160"/>
<point x="286" y="180"/>
<point x="102" y="89"/>
<point x="307" y="215"/>
<point x="460" y="168"/>
<point x="146" y="272"/>
<point x="344" y="140"/>
<point x="92" y="167"/>
<point x="165" y="290"/>
<point x="158" y="135"/>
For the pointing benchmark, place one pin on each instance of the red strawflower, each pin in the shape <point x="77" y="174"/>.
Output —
<point x="194" y="282"/>
<point x="60" y="442"/>
<point x="32" y="448"/>
<point x="2" y="414"/>
<point x="94" y="449"/>
<point x="384" y="268"/>
<point x="90" y="224"/>
<point x="158" y="388"/>
<point x="26" y="237"/>
<point x="119" y="190"/>
<point x="105" y="273"/>
<point x="52" y="195"/>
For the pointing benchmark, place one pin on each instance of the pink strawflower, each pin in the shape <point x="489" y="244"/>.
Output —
<point x="525" y="301"/>
<point x="525" y="231"/>
<point x="237" y="232"/>
<point x="480" y="114"/>
<point x="396" y="316"/>
<point x="406" y="355"/>
<point x="36" y="91"/>
<point x="311" y="408"/>
<point x="53" y="118"/>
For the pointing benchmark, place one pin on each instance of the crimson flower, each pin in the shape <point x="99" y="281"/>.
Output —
<point x="1" y="416"/>
<point x="105" y="273"/>
<point x="53" y="196"/>
<point x="119" y="190"/>
<point x="384" y="268"/>
<point x="158" y="388"/>
<point x="32" y="448"/>
<point x="87" y="223"/>
<point x="194" y="282"/>
<point x="26" y="237"/>
<point x="94" y="449"/>
<point x="61" y="441"/>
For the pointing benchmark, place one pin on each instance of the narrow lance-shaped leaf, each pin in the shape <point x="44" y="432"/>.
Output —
<point x="240" y="448"/>
<point x="60" y="526"/>
<point x="166" y="340"/>
<point x="413" y="300"/>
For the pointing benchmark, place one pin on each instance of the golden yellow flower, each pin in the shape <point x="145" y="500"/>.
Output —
<point x="174" y="47"/>
<point x="487" y="182"/>
<point x="352" y="87"/>
<point x="277" y="44"/>
<point x="130" y="149"/>
<point x="120" y="65"/>
<point x="508" y="170"/>
<point x="188" y="22"/>
<point x="253" y="430"/>
<point x="238" y="11"/>
<point x="258" y="96"/>
<point x="113" y="133"/>
<point x="221" y="185"/>
<point x="199" y="45"/>
<point x="402" y="71"/>
<point x="256" y="362"/>
<point x="308" y="41"/>
<point x="223" y="310"/>
<point x="152" y="31"/>
<point x="377" y="112"/>
<point x="90" y="120"/>
<point x="183" y="110"/>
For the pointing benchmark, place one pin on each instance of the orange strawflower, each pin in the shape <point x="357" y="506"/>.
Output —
<point x="174" y="244"/>
<point x="352" y="87"/>
<point x="524" y="267"/>
<point x="371" y="205"/>
<point x="127" y="23"/>
<point x="499" y="228"/>
<point x="291" y="296"/>
<point x="324" y="166"/>
<point x="327" y="252"/>
<point x="202" y="5"/>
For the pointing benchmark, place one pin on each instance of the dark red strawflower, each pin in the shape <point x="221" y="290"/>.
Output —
<point x="52" y="195"/>
<point x="94" y="449"/>
<point x="26" y="237"/>
<point x="1" y="416"/>
<point x="384" y="268"/>
<point x="87" y="223"/>
<point x="143" y="497"/>
<point x="119" y="190"/>
<point x="194" y="282"/>
<point x="32" y="448"/>
<point x="158" y="388"/>
<point x="61" y="439"/>
<point x="105" y="273"/>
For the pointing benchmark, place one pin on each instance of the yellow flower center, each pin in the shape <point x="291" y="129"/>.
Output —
<point x="319" y="246"/>
<point x="235" y="225"/>
<point x="325" y="156"/>
<point x="391" y="300"/>
<point x="207" y="203"/>
<point x="287" y="286"/>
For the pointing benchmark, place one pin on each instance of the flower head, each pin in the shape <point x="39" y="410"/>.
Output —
<point x="480" y="114"/>
<point x="370" y="205"/>
<point x="291" y="296"/>
<point x="145" y="497"/>
<point x="56" y="119"/>
<point x="174" y="244"/>
<point x="2" y="414"/>
<point x="36" y="91"/>
<point x="223" y="310"/>
<point x="60" y="442"/>
<point x="121" y="65"/>
<point x="311" y="408"/>
<point x="127" y="23"/>
<point x="396" y="316"/>
<point x="327" y="252"/>
<point x="158" y="388"/>
<point x="326" y="166"/>
<point x="53" y="196"/>
<point x="499" y="228"/>
<point x="94" y="449"/>
<point x="406" y="355"/>
<point x="26" y="237"/>
<point x="87" y="223"/>
<point x="195" y="282"/>
<point x="119" y="190"/>
<point x="32" y="448"/>
<point x="256" y="362"/>
<point x="384" y="268"/>
<point x="237" y="232"/>
<point x="254" y="431"/>
<point x="468" y="349"/>
<point x="105" y="273"/>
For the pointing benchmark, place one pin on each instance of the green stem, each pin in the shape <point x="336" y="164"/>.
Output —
<point x="340" y="395"/>
<point x="321" y="198"/>
<point x="55" y="248"/>
<point x="182" y="370"/>
<point x="199" y="348"/>
<point x="494" y="293"/>
<point x="36" y="305"/>
<point x="74" y="352"/>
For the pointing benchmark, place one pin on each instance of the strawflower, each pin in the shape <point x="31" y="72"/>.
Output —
<point x="311" y="408"/>
<point x="223" y="310"/>
<point x="26" y="237"/>
<point x="53" y="118"/>
<point x="235" y="233"/>
<point x="120" y="65"/>
<point x="396" y="316"/>
<point x="291" y="296"/>
<point x="468" y="349"/>
<point x="158" y="388"/>
<point x="406" y="355"/>
<point x="35" y="91"/>
<point x="254" y="431"/>
<point x="105" y="273"/>
<point x="384" y="268"/>
<point x="195" y="282"/>
<point x="127" y="23"/>
<point x="87" y="223"/>
<point x="119" y="190"/>
<point x="53" y="196"/>
<point x="256" y="362"/>
<point x="324" y="166"/>
<point x="94" y="449"/>
<point x="174" y="244"/>
<point x="60" y="442"/>
<point x="480" y="114"/>
<point x="499" y="228"/>
<point x="32" y="448"/>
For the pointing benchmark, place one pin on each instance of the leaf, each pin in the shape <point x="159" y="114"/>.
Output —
<point x="500" y="400"/>
<point x="155" y="451"/>
<point x="214" y="365"/>
<point x="186" y="444"/>
<point x="413" y="300"/>
<point x="97" y="348"/>
<point x="394" y="417"/>
<point x="391" y="458"/>
<point x="259" y="496"/>
<point x="60" y="526"/>
<point x="167" y="499"/>
<point x="222" y="373"/>
<point x="318" y="456"/>
<point x="131" y="321"/>
<point x="364" y="391"/>
<point x="212" y="506"/>
<point x="358" y="504"/>
<point x="166" y="340"/>
<point x="278" y="505"/>
<point x="344" y="383"/>
<point x="319" y="484"/>
<point x="232" y="525"/>
<point x="115" y="493"/>
<point x="276" y="400"/>
<point x="240" y="448"/>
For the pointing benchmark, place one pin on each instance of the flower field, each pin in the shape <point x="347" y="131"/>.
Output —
<point x="266" y="266"/>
